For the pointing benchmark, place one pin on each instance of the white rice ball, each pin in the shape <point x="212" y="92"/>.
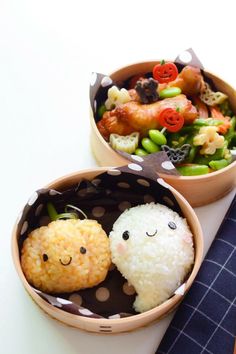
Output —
<point x="152" y="246"/>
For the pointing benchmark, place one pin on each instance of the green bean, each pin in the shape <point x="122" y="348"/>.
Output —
<point x="149" y="145"/>
<point x="170" y="92"/>
<point x="174" y="137"/>
<point x="141" y="152"/>
<point x="201" y="122"/>
<point x="192" y="153"/>
<point x="157" y="137"/>
<point x="233" y="141"/>
<point x="189" y="129"/>
<point x="231" y="132"/>
<point x="193" y="170"/>
<point x="101" y="110"/>
<point x="218" y="164"/>
<point x="205" y="159"/>
<point x="225" y="108"/>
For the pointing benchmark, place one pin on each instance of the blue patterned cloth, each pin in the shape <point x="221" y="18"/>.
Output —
<point x="206" y="320"/>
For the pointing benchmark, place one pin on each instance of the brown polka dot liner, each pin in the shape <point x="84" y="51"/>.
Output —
<point x="104" y="198"/>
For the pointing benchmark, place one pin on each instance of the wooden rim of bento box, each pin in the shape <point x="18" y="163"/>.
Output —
<point x="198" y="190"/>
<point x="122" y="324"/>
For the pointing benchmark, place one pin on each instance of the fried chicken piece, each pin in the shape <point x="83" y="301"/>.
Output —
<point x="189" y="80"/>
<point x="112" y="124"/>
<point x="136" y="117"/>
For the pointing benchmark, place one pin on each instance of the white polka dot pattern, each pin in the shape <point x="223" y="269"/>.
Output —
<point x="114" y="172"/>
<point x="33" y="198"/>
<point x="135" y="167"/>
<point x="96" y="181"/>
<point x="19" y="216"/>
<point x="85" y="312"/>
<point x="124" y="205"/>
<point x="147" y="198"/>
<point x="98" y="212"/>
<point x="54" y="192"/>
<point x="137" y="158"/>
<point x="185" y="57"/>
<point x="167" y="165"/>
<point x="102" y="294"/>
<point x="82" y="192"/>
<point x="63" y="301"/>
<point x="76" y="298"/>
<point x="106" y="81"/>
<point x="95" y="106"/>
<point x="123" y="185"/>
<point x="113" y="317"/>
<point x="163" y="183"/>
<point x="128" y="289"/>
<point x="143" y="182"/>
<point x="93" y="79"/>
<point x="24" y="227"/>
<point x="38" y="210"/>
<point x="168" y="201"/>
<point x="180" y="290"/>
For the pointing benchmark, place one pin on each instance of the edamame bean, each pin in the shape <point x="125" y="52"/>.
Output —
<point x="102" y="109"/>
<point x="218" y="164"/>
<point x="170" y="92"/>
<point x="193" y="170"/>
<point x="141" y="152"/>
<point x="157" y="137"/>
<point x="149" y="145"/>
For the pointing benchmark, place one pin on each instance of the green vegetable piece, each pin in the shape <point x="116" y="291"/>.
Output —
<point x="101" y="110"/>
<point x="170" y="92"/>
<point x="229" y="136"/>
<point x="201" y="122"/>
<point x="193" y="170"/>
<point x="218" y="164"/>
<point x="55" y="216"/>
<point x="149" y="145"/>
<point x="157" y="137"/>
<point x="192" y="153"/>
<point x="188" y="129"/>
<point x="141" y="152"/>
<point x="225" y="108"/>
<point x="205" y="159"/>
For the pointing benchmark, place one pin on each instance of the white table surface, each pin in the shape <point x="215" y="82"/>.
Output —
<point x="48" y="50"/>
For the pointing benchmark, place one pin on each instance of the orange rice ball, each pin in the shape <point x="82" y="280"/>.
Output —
<point x="66" y="255"/>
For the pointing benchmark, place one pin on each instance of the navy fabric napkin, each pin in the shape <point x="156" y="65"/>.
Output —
<point x="206" y="320"/>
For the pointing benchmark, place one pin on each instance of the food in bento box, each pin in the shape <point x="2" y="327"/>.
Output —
<point x="66" y="255"/>
<point x="152" y="246"/>
<point x="174" y="112"/>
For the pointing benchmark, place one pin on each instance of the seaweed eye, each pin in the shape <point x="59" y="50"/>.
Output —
<point x="151" y="235"/>
<point x="172" y="225"/>
<point x="45" y="257"/>
<point x="125" y="235"/>
<point x="83" y="250"/>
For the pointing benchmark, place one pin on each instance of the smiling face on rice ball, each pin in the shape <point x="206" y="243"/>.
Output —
<point x="152" y="246"/>
<point x="66" y="255"/>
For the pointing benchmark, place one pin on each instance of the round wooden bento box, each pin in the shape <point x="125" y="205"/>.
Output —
<point x="198" y="190"/>
<point x="104" y="325"/>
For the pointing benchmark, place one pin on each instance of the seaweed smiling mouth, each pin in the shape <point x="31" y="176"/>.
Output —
<point x="65" y="264"/>
<point x="151" y="235"/>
